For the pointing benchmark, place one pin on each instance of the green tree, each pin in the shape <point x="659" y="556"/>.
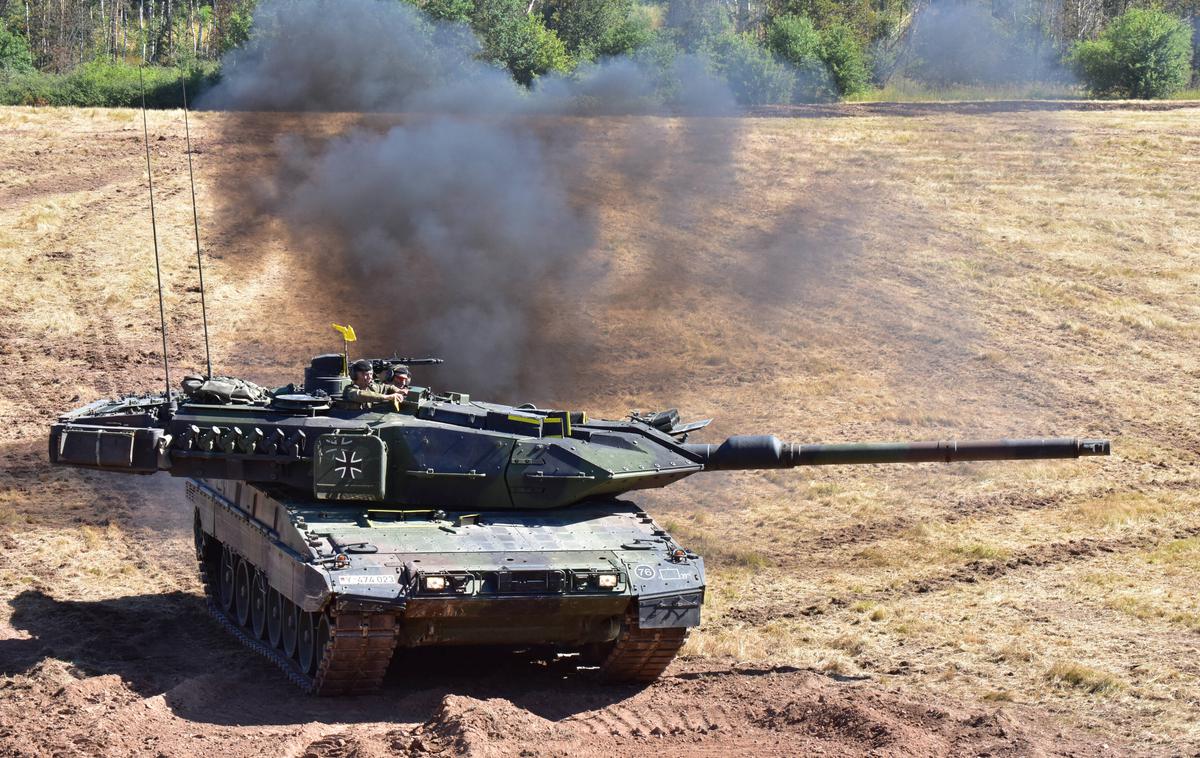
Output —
<point x="14" y="52"/>
<point x="796" y="40"/>
<point x="448" y="10"/>
<point x="237" y="27"/>
<point x="586" y="26"/>
<point x="843" y="55"/>
<point x="633" y="33"/>
<point x="1142" y="54"/>
<point x="697" y="23"/>
<point x="525" y="47"/>
<point x="870" y="19"/>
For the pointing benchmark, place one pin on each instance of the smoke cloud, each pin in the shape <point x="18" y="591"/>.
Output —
<point x="956" y="42"/>
<point x="457" y="223"/>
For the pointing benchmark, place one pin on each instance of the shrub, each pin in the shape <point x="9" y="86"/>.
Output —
<point x="104" y="85"/>
<point x="634" y="32"/>
<point x="796" y="40"/>
<point x="842" y="53"/>
<point x="657" y="60"/>
<point x="754" y="75"/>
<point x="1141" y="54"/>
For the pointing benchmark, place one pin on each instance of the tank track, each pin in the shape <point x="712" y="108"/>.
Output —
<point x="641" y="655"/>
<point x="353" y="660"/>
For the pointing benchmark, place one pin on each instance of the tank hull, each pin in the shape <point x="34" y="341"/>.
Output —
<point x="361" y="580"/>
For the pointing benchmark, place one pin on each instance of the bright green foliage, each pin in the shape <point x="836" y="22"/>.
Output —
<point x="524" y="46"/>
<point x="105" y="85"/>
<point x="1142" y="54"/>
<point x="796" y="40"/>
<point x="754" y="75"/>
<point x="869" y="19"/>
<point x="827" y="62"/>
<point x="592" y="28"/>
<point x="237" y="27"/>
<point x="843" y="55"/>
<point x="448" y="10"/>
<point x="633" y="33"/>
<point x="14" y="52"/>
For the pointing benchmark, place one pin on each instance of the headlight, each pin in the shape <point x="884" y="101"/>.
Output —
<point x="435" y="583"/>
<point x="607" y="581"/>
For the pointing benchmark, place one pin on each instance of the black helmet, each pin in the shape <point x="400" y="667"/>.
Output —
<point x="399" y="369"/>
<point x="361" y="366"/>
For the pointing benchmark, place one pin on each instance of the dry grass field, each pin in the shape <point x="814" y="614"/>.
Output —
<point x="868" y="273"/>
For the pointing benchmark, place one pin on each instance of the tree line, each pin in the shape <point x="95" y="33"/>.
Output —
<point x="60" y="35"/>
<point x="769" y="51"/>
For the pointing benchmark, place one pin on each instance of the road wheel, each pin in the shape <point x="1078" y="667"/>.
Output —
<point x="242" y="590"/>
<point x="228" y="569"/>
<point x="291" y="628"/>
<point x="308" y="642"/>
<point x="258" y="605"/>
<point x="275" y="617"/>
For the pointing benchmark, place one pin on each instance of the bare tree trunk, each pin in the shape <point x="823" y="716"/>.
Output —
<point x="142" y="26"/>
<point x="58" y="37"/>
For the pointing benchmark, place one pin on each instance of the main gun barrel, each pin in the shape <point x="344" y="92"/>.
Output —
<point x="767" y="451"/>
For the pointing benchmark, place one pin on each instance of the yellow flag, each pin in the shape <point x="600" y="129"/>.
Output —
<point x="347" y="332"/>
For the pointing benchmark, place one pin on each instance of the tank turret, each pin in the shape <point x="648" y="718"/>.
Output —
<point x="328" y="534"/>
<point x="445" y="451"/>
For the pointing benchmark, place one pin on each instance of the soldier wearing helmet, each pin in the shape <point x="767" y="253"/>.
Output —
<point x="365" y="393"/>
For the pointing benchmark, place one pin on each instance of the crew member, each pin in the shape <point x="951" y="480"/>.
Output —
<point x="399" y="377"/>
<point x="365" y="393"/>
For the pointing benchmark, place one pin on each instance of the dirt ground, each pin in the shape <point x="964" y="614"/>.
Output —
<point x="870" y="273"/>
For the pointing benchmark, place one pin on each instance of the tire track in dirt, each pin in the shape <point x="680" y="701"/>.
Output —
<point x="717" y="712"/>
<point x="982" y="506"/>
<point x="976" y="507"/>
<point x="655" y="720"/>
<point x="1035" y="557"/>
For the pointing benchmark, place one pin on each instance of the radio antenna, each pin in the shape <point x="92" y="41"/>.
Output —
<point x="195" y="223"/>
<point x="162" y="314"/>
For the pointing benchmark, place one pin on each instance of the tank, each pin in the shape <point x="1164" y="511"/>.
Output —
<point x="327" y="536"/>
